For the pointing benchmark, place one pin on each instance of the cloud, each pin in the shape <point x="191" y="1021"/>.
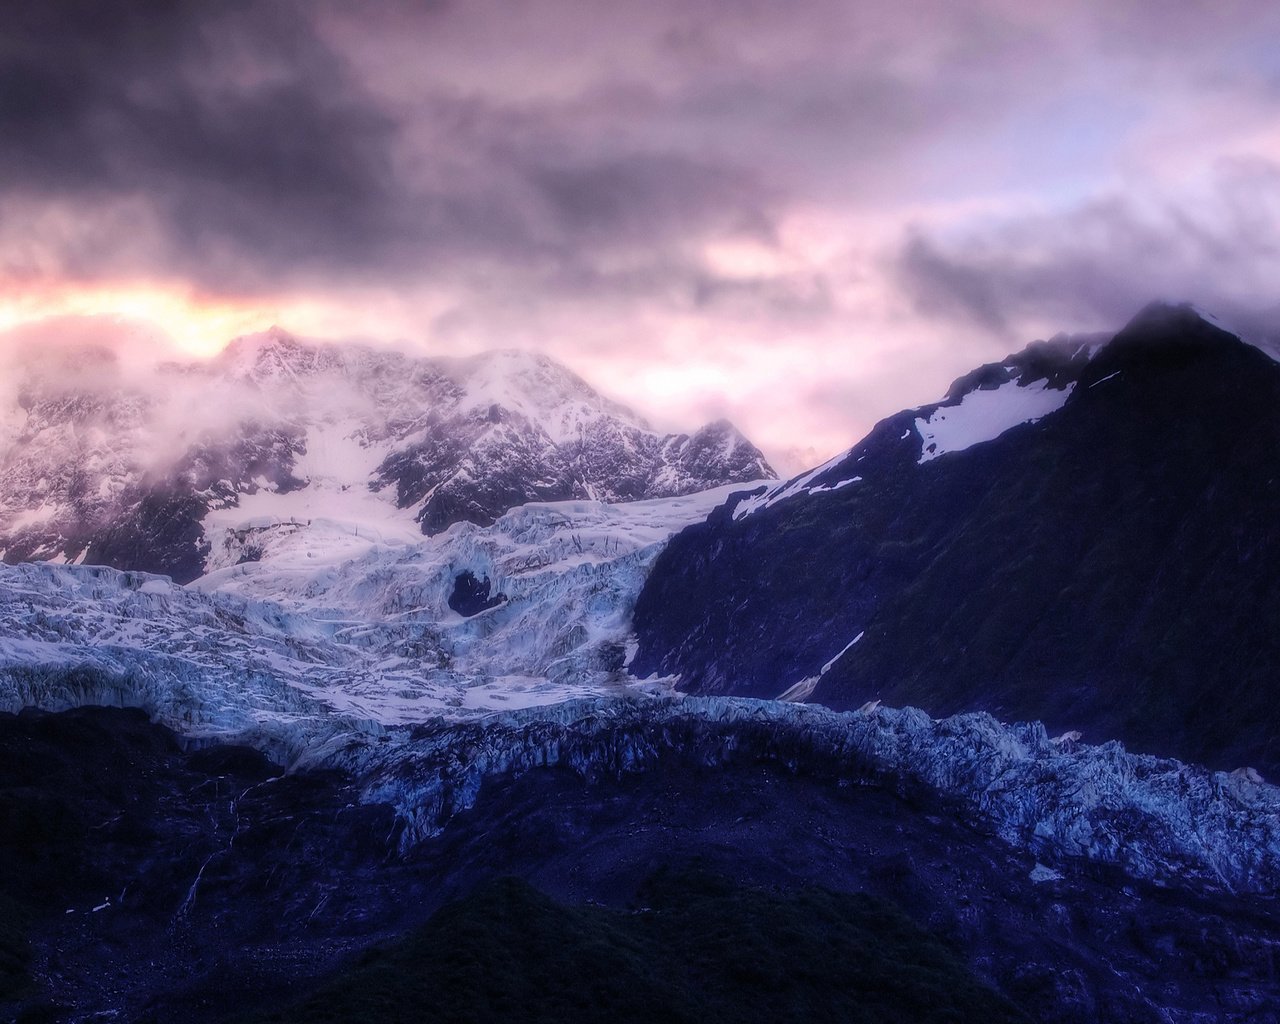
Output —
<point x="165" y="405"/>
<point x="248" y="153"/>
<point x="1096" y="263"/>
<point x="249" y="145"/>
<point x="83" y="351"/>
<point x="229" y="124"/>
<point x="879" y="192"/>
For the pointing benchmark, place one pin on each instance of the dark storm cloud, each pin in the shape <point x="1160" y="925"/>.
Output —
<point x="269" y="141"/>
<point x="252" y="148"/>
<point x="631" y="199"/>
<point x="230" y="121"/>
<point x="703" y="184"/>
<point x="255" y="143"/>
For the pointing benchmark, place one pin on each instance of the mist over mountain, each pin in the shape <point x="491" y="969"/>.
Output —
<point x="147" y="467"/>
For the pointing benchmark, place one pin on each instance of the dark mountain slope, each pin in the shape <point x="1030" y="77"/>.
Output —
<point x="1113" y="567"/>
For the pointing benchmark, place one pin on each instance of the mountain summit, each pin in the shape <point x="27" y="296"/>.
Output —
<point x="150" y="470"/>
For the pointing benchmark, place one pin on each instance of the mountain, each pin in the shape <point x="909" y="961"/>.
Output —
<point x="1082" y="534"/>
<point x="165" y="470"/>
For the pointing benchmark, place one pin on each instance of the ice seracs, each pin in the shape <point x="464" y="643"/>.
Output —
<point x="1157" y="819"/>
<point x="334" y="625"/>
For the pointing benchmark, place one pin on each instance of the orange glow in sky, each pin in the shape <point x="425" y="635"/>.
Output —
<point x="197" y="325"/>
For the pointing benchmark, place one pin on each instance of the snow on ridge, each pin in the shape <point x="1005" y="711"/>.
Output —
<point x="1219" y="322"/>
<point x="985" y="414"/>
<point x="1268" y="346"/>
<point x="781" y="490"/>
<point x="338" y="512"/>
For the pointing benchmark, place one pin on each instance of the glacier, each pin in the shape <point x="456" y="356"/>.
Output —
<point x="1156" y="818"/>
<point x="336" y="627"/>
<point x="333" y="655"/>
<point x="299" y="679"/>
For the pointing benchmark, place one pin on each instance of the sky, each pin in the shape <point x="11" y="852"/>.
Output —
<point x="802" y="215"/>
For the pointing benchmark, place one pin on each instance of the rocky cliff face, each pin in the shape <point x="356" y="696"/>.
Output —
<point x="1082" y="534"/>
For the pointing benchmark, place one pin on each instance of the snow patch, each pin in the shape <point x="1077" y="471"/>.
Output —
<point x="984" y="415"/>
<point x="801" y="691"/>
<point x="845" y="650"/>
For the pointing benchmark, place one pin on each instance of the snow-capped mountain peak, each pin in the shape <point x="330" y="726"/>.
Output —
<point x="156" y="469"/>
<point x="267" y="352"/>
<point x="537" y="387"/>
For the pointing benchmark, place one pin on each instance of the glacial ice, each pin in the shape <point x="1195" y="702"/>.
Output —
<point x="313" y="638"/>
<point x="1155" y="818"/>
<point x="324" y="659"/>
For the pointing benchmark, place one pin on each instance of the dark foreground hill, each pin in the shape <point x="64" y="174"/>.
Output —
<point x="1111" y="564"/>
<point x="140" y="881"/>
<point x="700" y="951"/>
